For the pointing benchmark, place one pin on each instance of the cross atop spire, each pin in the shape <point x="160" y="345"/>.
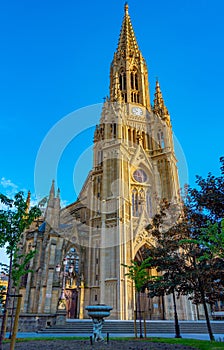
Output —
<point x="127" y="41"/>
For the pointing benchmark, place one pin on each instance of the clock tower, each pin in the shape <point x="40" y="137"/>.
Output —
<point x="134" y="169"/>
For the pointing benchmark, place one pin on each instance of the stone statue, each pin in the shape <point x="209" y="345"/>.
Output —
<point x="97" y="329"/>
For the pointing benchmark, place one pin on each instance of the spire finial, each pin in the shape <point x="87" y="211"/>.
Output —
<point x="126" y="7"/>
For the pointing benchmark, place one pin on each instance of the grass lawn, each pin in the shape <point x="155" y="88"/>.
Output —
<point x="195" y="343"/>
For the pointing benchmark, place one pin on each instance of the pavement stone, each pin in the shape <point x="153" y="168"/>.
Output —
<point x="85" y="345"/>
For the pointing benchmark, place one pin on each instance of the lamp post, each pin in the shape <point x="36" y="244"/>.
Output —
<point x="63" y="274"/>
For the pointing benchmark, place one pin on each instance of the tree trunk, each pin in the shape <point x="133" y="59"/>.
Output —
<point x="177" y="327"/>
<point x="12" y="313"/>
<point x="140" y="315"/>
<point x="16" y="322"/>
<point x="206" y="311"/>
<point x="8" y="294"/>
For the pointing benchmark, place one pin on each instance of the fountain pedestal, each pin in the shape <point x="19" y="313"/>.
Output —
<point x="97" y="313"/>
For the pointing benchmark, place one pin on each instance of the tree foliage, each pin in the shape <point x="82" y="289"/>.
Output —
<point x="189" y="253"/>
<point x="14" y="220"/>
<point x="137" y="272"/>
<point x="15" y="217"/>
<point x="209" y="196"/>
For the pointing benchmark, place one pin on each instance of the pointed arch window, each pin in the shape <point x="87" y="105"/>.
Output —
<point x="134" y="86"/>
<point x="160" y="137"/>
<point x="122" y="80"/>
<point x="99" y="157"/>
<point x="149" y="203"/>
<point x="141" y="201"/>
<point x="135" y="97"/>
<point x="72" y="259"/>
<point x="135" y="202"/>
<point x="134" y="79"/>
<point x="113" y="130"/>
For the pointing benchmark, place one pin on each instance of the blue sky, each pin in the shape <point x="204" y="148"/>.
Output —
<point x="55" y="58"/>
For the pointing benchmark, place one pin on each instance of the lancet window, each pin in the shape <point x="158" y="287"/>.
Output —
<point x="100" y="157"/>
<point x="134" y="79"/>
<point x="134" y="86"/>
<point x="138" y="201"/>
<point x="122" y="80"/>
<point x="72" y="259"/>
<point x="149" y="203"/>
<point x="135" y="202"/>
<point x="160" y="137"/>
<point x="141" y="201"/>
<point x="135" y="97"/>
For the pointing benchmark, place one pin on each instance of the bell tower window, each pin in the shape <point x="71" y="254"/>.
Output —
<point x="123" y="84"/>
<point x="134" y="80"/>
<point x="122" y="80"/>
<point x="134" y="86"/>
<point x="135" y="97"/>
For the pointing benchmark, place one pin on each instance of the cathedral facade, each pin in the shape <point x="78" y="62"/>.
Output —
<point x="134" y="167"/>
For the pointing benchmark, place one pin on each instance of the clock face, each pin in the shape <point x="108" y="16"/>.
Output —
<point x="137" y="111"/>
<point x="140" y="176"/>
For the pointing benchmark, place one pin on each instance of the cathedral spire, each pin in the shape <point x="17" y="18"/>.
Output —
<point x="127" y="43"/>
<point x="128" y="74"/>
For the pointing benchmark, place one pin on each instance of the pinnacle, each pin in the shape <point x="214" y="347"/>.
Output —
<point x="52" y="190"/>
<point x="159" y="104"/>
<point x="158" y="101"/>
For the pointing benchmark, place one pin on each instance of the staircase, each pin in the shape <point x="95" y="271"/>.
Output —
<point x="127" y="327"/>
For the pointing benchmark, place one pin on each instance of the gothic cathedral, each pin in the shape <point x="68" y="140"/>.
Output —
<point x="134" y="167"/>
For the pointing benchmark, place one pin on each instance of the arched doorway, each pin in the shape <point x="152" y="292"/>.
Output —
<point x="153" y="307"/>
<point x="72" y="283"/>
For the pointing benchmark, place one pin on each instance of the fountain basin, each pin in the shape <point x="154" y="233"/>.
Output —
<point x="99" y="310"/>
<point x="97" y="313"/>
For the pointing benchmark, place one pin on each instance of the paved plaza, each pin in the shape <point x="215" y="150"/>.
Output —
<point x="85" y="345"/>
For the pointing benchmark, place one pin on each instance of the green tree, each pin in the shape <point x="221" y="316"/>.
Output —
<point x="14" y="219"/>
<point x="209" y="195"/>
<point x="202" y="278"/>
<point x="138" y="273"/>
<point x="165" y="255"/>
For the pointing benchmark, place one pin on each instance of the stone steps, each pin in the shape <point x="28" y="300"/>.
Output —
<point x="127" y="327"/>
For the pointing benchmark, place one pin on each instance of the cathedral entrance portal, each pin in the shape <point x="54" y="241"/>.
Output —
<point x="153" y="307"/>
<point x="71" y="296"/>
<point x="72" y="283"/>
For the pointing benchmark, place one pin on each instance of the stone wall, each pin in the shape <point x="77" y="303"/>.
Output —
<point x="36" y="322"/>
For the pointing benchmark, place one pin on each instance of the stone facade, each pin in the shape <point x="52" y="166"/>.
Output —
<point x="134" y="168"/>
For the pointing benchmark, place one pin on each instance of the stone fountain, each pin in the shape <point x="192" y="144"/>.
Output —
<point x="97" y="313"/>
